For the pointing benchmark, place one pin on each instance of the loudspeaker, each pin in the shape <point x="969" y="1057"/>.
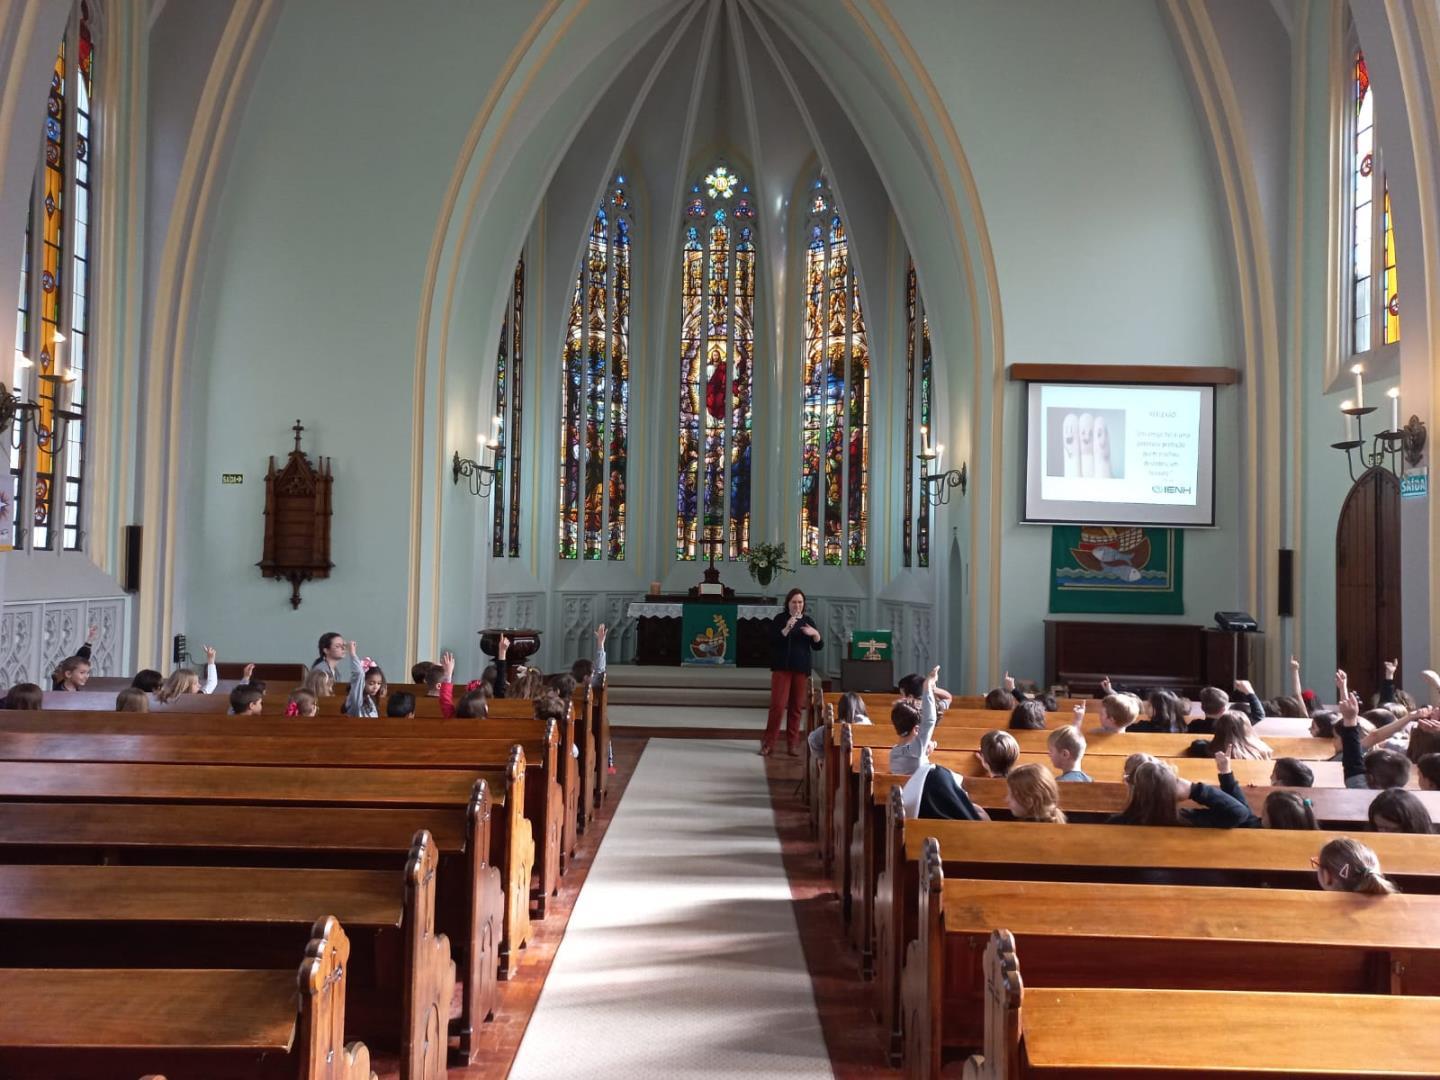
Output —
<point x="131" y="580"/>
<point x="181" y="653"/>
<point x="1285" y="601"/>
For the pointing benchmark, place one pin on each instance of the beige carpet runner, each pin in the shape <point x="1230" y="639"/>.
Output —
<point x="682" y="957"/>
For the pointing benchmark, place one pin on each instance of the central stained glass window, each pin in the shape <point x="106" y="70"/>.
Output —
<point x="717" y="357"/>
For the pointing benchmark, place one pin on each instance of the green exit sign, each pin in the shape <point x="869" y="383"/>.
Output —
<point x="232" y="478"/>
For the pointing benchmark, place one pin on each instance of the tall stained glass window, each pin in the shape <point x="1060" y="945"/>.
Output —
<point x="509" y="418"/>
<point x="717" y="357"/>
<point x="835" y="452"/>
<point x="52" y="334"/>
<point x="919" y="401"/>
<point x="595" y="406"/>
<point x="1375" y="285"/>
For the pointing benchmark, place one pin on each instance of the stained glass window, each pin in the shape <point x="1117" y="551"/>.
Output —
<point x="52" y="336"/>
<point x="595" y="388"/>
<point x="509" y="418"/>
<point x="717" y="358"/>
<point x="835" y="450"/>
<point x="1375" y="288"/>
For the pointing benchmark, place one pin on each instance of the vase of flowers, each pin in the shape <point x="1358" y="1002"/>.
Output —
<point x="767" y="560"/>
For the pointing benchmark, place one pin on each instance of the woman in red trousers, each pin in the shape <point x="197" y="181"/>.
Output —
<point x="794" y="638"/>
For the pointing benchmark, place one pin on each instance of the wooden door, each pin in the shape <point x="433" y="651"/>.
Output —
<point x="1367" y="580"/>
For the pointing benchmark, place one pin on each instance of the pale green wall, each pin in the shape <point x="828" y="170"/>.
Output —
<point x="311" y="300"/>
<point x="1097" y="187"/>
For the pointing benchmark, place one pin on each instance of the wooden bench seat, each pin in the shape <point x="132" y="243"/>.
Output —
<point x="1183" y="937"/>
<point x="304" y="746"/>
<point x="1083" y="1033"/>
<point x="112" y="1024"/>
<point x="401" y="980"/>
<point x="512" y="847"/>
<point x="470" y="898"/>
<point x="1024" y="851"/>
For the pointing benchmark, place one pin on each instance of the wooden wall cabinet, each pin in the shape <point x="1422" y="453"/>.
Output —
<point x="297" y="520"/>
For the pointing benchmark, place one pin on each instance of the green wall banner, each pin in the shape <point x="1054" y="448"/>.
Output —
<point x="1123" y="570"/>
<point x="708" y="634"/>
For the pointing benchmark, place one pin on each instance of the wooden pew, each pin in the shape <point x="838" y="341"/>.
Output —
<point x="314" y="744"/>
<point x="512" y="843"/>
<point x="1182" y="938"/>
<point x="1024" y="850"/>
<point x="400" y="985"/>
<point x="471" y="904"/>
<point x="109" y="1024"/>
<point x="1336" y="809"/>
<point x="1189" y="1034"/>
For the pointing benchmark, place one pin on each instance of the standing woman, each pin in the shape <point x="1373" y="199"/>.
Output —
<point x="793" y="638"/>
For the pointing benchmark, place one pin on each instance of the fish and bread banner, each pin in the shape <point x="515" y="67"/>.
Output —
<point x="1119" y="569"/>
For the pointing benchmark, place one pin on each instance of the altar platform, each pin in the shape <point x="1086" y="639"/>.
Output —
<point x="707" y="687"/>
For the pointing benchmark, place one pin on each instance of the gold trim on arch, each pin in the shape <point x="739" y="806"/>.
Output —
<point x="996" y="322"/>
<point x="422" y="329"/>
<point x="226" y="83"/>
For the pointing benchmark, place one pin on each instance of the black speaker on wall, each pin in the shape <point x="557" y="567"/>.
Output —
<point x="1285" y="581"/>
<point x="131" y="580"/>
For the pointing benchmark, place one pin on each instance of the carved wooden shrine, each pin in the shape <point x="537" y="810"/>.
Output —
<point x="297" y="521"/>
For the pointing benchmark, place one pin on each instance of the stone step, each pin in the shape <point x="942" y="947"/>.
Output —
<point x="688" y="696"/>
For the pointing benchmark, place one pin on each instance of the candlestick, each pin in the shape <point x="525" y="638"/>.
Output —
<point x="1394" y="395"/>
<point x="1357" y="370"/>
<point x="1349" y="420"/>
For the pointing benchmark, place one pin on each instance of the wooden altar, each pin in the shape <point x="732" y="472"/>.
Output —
<point x="657" y="635"/>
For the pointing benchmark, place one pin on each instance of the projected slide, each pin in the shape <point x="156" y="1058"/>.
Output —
<point x="1103" y="454"/>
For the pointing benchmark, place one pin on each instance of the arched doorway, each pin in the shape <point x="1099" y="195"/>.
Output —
<point x="1367" y="580"/>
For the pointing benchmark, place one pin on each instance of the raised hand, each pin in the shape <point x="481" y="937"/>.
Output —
<point x="600" y="636"/>
<point x="1079" y="711"/>
<point x="934" y="676"/>
<point x="1105" y="687"/>
<point x="447" y="664"/>
<point x="1342" y="681"/>
<point x="209" y="654"/>
<point x="502" y="647"/>
<point x="1244" y="687"/>
<point x="92" y="635"/>
<point x="1294" y="666"/>
<point x="1390" y="666"/>
<point x="249" y="670"/>
<point x="1009" y="681"/>
<point x="1222" y="763"/>
<point x="354" y="649"/>
<point x="1349" y="709"/>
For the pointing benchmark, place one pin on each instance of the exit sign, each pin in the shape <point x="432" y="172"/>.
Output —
<point x="1414" y="485"/>
<point x="232" y="478"/>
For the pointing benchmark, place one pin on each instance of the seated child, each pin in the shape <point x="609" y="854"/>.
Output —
<point x="245" y="701"/>
<point x="1118" y="712"/>
<point x="25" y="695"/>
<point x="1287" y="810"/>
<point x="473" y="705"/>
<point x="132" y="699"/>
<point x="1032" y="794"/>
<point x="400" y="705"/>
<point x="1028" y="716"/>
<point x="1066" y="747"/>
<point x="1429" y="767"/>
<point x="850" y="709"/>
<point x="1346" y="865"/>
<point x="1291" y="772"/>
<point x="301" y="703"/>
<point x="998" y="752"/>
<point x="1399" y="811"/>
<point x="1156" y="795"/>
<point x="932" y="791"/>
<point x="1213" y="702"/>
<point x="147" y="680"/>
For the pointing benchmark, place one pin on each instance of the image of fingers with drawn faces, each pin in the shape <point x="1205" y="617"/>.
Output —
<point x="1085" y="442"/>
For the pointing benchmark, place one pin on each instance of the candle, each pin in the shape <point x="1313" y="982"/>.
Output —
<point x="1349" y="420"/>
<point x="938" y="451"/>
<point x="1394" y="394"/>
<point x="925" y="439"/>
<point x="1357" y="370"/>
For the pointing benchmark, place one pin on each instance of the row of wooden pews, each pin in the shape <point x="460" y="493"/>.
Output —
<point x="1085" y="950"/>
<point x="188" y="844"/>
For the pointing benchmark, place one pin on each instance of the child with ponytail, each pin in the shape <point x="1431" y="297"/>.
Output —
<point x="1346" y="865"/>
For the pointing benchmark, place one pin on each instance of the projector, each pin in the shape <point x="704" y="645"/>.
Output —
<point x="1237" y="621"/>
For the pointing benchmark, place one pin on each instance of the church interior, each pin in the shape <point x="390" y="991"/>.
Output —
<point x="541" y="517"/>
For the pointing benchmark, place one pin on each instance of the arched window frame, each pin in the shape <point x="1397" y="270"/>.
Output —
<point x="509" y="427"/>
<point x="56" y="295"/>
<point x="595" y="390"/>
<point x="719" y="263"/>
<point x="835" y="395"/>
<point x="1368" y="308"/>
<point x="919" y="416"/>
